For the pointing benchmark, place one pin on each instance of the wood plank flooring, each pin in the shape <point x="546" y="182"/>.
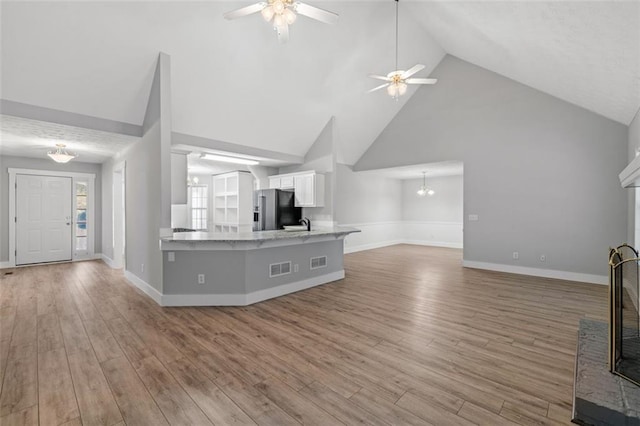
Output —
<point x="408" y="337"/>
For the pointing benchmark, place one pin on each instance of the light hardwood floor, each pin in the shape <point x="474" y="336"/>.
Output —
<point x="408" y="337"/>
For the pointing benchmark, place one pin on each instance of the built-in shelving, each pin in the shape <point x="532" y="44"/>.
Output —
<point x="233" y="202"/>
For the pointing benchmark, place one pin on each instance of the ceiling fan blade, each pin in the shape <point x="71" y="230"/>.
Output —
<point x="283" y="33"/>
<point x="411" y="71"/>
<point x="317" y="13"/>
<point x="382" y="86"/>
<point x="421" y="80"/>
<point x="244" y="11"/>
<point x="380" y="77"/>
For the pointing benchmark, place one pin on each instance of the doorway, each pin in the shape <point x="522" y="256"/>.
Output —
<point x="43" y="219"/>
<point x="51" y="216"/>
<point x="119" y="217"/>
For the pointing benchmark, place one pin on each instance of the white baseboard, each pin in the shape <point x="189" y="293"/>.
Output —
<point x="381" y="244"/>
<point x="109" y="261"/>
<point x="536" y="272"/>
<point x="96" y="256"/>
<point x="362" y="247"/>
<point x="445" y="244"/>
<point x="144" y="286"/>
<point x="250" y="298"/>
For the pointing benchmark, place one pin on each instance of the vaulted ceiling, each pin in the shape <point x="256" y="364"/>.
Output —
<point x="232" y="81"/>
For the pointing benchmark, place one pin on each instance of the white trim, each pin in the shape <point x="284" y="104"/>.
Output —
<point x="97" y="256"/>
<point x="354" y="249"/>
<point x="445" y="244"/>
<point x="250" y="298"/>
<point x="88" y="177"/>
<point x="362" y="247"/>
<point x="428" y="222"/>
<point x="51" y="173"/>
<point x="630" y="174"/>
<point x="536" y="272"/>
<point x="144" y="287"/>
<point x="355" y="225"/>
<point x="110" y="262"/>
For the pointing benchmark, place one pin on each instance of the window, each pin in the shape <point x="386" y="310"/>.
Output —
<point x="198" y="206"/>
<point x="81" y="217"/>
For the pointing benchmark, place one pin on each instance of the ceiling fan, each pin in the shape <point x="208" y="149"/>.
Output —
<point x="396" y="81"/>
<point x="283" y="13"/>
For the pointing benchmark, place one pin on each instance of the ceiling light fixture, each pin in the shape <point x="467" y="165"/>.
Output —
<point x="396" y="81"/>
<point x="424" y="189"/>
<point x="60" y="154"/>
<point x="282" y="13"/>
<point x="225" y="159"/>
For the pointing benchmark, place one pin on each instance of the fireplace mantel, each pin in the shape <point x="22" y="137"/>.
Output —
<point x="630" y="176"/>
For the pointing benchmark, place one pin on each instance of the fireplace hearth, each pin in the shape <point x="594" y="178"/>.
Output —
<point x="607" y="373"/>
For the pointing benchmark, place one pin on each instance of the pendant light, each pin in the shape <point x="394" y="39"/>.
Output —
<point x="60" y="154"/>
<point x="424" y="189"/>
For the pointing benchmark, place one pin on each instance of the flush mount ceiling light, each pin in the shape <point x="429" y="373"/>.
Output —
<point x="396" y="81"/>
<point x="60" y="154"/>
<point x="282" y="13"/>
<point x="225" y="159"/>
<point x="424" y="189"/>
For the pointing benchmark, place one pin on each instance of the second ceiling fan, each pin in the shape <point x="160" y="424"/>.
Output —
<point x="396" y="81"/>
<point x="282" y="13"/>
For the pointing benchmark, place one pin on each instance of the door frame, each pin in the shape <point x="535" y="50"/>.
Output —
<point x="85" y="177"/>
<point x="119" y="208"/>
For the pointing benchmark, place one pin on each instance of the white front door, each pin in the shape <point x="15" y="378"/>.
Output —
<point x="43" y="219"/>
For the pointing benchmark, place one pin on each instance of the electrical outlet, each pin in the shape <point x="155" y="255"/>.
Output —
<point x="171" y="256"/>
<point x="543" y="258"/>
<point x="142" y="267"/>
<point x="516" y="255"/>
<point x="473" y="218"/>
<point x="295" y="268"/>
<point x="200" y="278"/>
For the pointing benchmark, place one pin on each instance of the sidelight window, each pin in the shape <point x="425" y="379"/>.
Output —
<point x="81" y="236"/>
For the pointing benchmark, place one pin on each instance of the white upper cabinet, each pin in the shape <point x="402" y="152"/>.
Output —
<point x="308" y="187"/>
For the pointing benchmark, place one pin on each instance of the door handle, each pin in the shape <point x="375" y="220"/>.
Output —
<point x="68" y="223"/>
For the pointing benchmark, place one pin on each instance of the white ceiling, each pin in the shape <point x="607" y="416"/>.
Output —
<point x="443" y="168"/>
<point x="585" y="52"/>
<point x="32" y="138"/>
<point x="231" y="80"/>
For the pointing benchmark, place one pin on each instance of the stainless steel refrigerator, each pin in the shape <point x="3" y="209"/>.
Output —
<point x="273" y="209"/>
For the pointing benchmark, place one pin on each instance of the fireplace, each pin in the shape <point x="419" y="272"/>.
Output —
<point x="624" y="313"/>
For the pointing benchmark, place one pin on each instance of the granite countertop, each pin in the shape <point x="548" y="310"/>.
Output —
<point x="194" y="237"/>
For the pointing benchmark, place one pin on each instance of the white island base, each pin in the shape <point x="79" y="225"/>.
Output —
<point x="238" y="269"/>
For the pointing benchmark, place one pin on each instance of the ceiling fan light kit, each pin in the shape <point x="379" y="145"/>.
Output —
<point x="397" y="81"/>
<point x="282" y="13"/>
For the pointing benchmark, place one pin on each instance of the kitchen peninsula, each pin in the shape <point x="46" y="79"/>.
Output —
<point x="241" y="268"/>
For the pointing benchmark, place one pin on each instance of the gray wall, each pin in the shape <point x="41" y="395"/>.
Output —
<point x="7" y="162"/>
<point x="142" y="186"/>
<point x="321" y="157"/>
<point x="366" y="198"/>
<point x="634" y="143"/>
<point x="246" y="271"/>
<point x="542" y="174"/>
<point x="443" y="206"/>
<point x="148" y="203"/>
